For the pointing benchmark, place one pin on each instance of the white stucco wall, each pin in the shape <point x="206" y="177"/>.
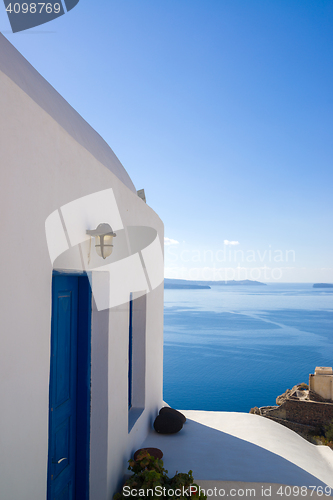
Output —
<point x="322" y="385"/>
<point x="43" y="167"/>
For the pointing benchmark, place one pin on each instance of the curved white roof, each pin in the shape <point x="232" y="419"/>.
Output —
<point x="20" y="71"/>
<point x="226" y="446"/>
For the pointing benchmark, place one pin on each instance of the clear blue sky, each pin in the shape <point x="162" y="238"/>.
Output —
<point x="221" y="110"/>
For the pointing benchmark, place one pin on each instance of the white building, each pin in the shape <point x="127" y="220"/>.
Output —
<point x="82" y="338"/>
<point x="321" y="381"/>
<point x="59" y="179"/>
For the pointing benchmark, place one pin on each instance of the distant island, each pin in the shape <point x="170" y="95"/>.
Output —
<point x="322" y="285"/>
<point x="196" y="285"/>
<point x="185" y="286"/>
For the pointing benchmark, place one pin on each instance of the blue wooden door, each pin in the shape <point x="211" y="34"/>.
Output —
<point x="63" y="389"/>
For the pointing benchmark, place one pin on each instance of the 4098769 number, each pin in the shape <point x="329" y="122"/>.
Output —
<point x="304" y="491"/>
<point x="34" y="8"/>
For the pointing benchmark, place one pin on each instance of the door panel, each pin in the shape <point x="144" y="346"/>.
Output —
<point x="62" y="446"/>
<point x="63" y="350"/>
<point x="63" y="389"/>
<point x="67" y="493"/>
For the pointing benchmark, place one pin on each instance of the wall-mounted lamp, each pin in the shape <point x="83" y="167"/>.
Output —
<point x="103" y="235"/>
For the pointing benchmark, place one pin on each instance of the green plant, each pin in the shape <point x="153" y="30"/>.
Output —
<point x="318" y="431"/>
<point x="303" y="386"/>
<point x="329" y="431"/>
<point x="150" y="481"/>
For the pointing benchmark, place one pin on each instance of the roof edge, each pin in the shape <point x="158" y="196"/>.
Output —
<point x="25" y="76"/>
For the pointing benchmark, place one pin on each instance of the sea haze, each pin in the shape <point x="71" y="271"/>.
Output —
<point x="232" y="348"/>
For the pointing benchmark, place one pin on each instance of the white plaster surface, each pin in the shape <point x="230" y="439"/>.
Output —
<point x="50" y="158"/>
<point x="153" y="259"/>
<point x="58" y="245"/>
<point x="88" y="211"/>
<point x="322" y="384"/>
<point x="226" y="446"/>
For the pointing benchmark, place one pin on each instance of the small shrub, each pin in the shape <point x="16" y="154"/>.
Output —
<point x="149" y="473"/>
<point x="318" y="431"/>
<point x="329" y="431"/>
<point x="303" y="386"/>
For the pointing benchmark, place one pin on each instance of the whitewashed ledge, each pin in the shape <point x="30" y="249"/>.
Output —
<point x="240" y="448"/>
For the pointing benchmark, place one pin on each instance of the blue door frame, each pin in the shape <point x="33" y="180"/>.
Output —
<point x="69" y="407"/>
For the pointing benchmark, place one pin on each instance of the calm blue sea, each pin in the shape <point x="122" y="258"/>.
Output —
<point x="232" y="348"/>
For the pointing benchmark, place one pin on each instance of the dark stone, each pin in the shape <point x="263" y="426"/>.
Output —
<point x="172" y="411"/>
<point x="167" y="423"/>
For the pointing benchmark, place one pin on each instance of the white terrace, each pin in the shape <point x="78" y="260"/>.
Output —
<point x="239" y="449"/>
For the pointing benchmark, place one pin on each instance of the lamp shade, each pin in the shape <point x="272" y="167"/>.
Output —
<point x="103" y="235"/>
